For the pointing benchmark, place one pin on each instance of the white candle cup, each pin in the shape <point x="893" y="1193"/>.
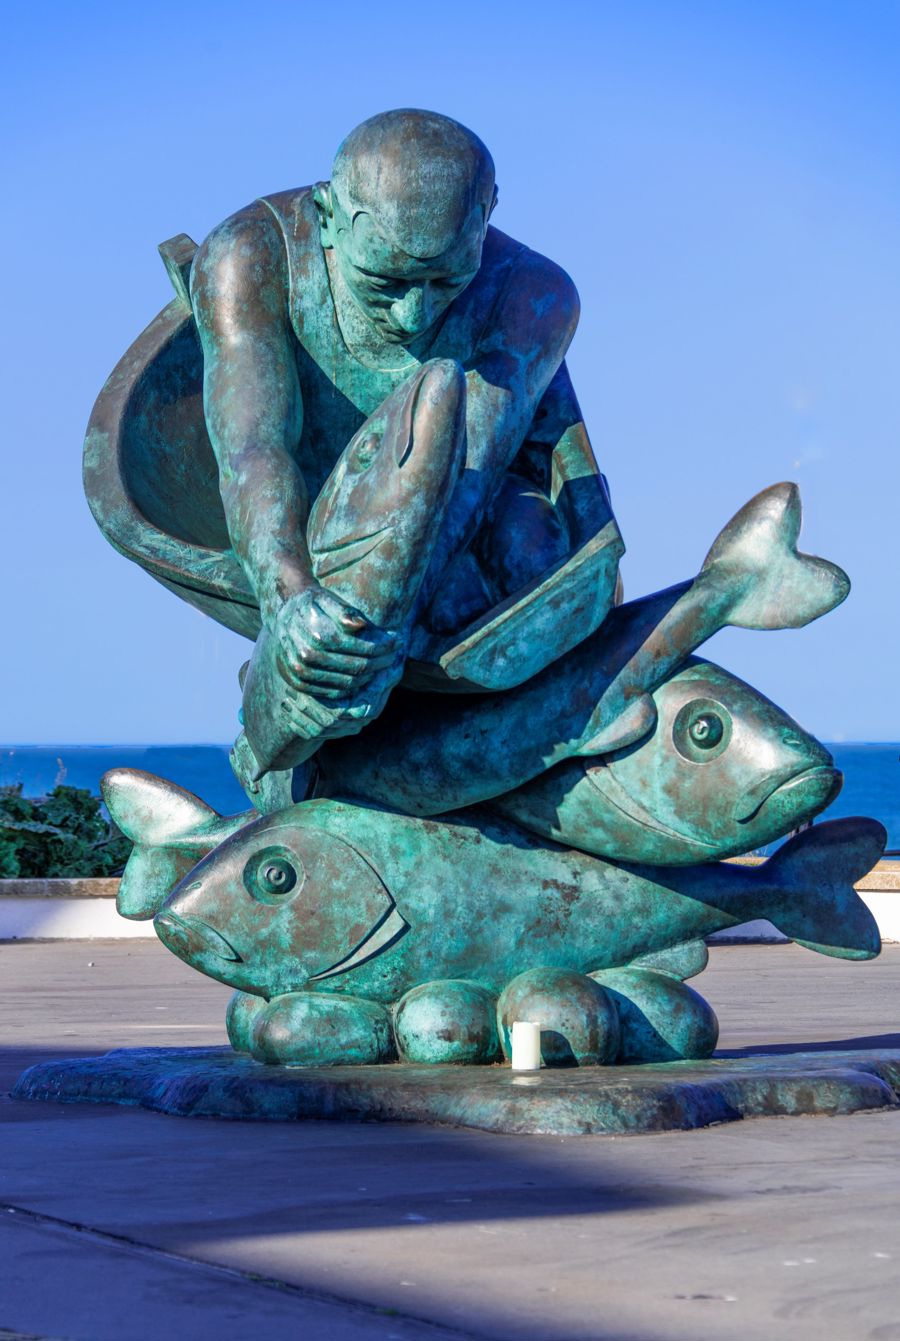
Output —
<point x="526" y="1046"/>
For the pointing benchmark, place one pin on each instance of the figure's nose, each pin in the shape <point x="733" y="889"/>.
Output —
<point x="411" y="312"/>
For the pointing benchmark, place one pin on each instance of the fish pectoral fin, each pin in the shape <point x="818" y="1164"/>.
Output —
<point x="680" y="961"/>
<point x="391" y="927"/>
<point x="636" y="720"/>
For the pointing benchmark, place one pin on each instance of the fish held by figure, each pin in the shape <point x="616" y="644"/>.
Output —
<point x="371" y="535"/>
<point x="331" y="897"/>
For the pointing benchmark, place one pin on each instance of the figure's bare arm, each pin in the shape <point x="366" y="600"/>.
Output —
<point x="531" y="330"/>
<point x="251" y="396"/>
<point x="254" y="416"/>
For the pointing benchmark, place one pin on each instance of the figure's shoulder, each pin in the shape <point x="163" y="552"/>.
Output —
<point x="503" y="253"/>
<point x="293" y="209"/>
<point x="250" y="247"/>
<point x="528" y="285"/>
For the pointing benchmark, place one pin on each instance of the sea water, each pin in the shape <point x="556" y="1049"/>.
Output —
<point x="871" y="774"/>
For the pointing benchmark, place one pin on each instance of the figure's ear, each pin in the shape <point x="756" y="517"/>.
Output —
<point x="493" y="205"/>
<point x="321" y="194"/>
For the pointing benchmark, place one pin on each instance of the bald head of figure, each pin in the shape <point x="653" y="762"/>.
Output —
<point x="406" y="213"/>
<point x="421" y="175"/>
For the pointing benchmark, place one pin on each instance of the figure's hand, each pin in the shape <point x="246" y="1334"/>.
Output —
<point x="311" y="719"/>
<point x="328" y="650"/>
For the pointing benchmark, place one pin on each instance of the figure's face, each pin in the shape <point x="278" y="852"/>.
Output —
<point x="401" y="295"/>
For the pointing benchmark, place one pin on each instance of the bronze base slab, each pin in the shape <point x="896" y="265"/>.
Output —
<point x="217" y="1082"/>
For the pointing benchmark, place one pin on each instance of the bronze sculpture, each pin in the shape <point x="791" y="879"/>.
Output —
<point x="390" y="490"/>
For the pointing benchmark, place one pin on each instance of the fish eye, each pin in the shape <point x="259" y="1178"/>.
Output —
<point x="277" y="876"/>
<point x="271" y="875"/>
<point x="706" y="730"/>
<point x="702" y="730"/>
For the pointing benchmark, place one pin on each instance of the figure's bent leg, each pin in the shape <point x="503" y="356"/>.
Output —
<point x="523" y="536"/>
<point x="371" y="535"/>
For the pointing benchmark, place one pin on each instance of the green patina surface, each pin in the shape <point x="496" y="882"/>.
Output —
<point x="486" y="790"/>
<point x="216" y="1082"/>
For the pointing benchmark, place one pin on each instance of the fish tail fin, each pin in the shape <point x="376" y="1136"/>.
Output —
<point x="171" y="830"/>
<point x="782" y="588"/>
<point x="811" y="878"/>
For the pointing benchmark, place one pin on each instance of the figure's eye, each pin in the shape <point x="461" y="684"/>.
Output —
<point x="271" y="875"/>
<point x="378" y="283"/>
<point x="701" y="730"/>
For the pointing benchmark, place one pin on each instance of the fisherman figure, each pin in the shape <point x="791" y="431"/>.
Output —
<point x="314" y="307"/>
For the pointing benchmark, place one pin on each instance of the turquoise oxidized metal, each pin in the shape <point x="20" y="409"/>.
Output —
<point x="483" y="788"/>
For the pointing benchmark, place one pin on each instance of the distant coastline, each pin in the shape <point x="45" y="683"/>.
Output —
<point x="871" y="773"/>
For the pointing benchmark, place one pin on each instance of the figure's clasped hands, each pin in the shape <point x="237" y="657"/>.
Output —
<point x="338" y="666"/>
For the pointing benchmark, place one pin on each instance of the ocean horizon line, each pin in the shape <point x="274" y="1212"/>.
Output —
<point x="871" y="770"/>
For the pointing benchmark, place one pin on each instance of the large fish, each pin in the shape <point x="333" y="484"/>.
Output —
<point x="334" y="897"/>
<point x="427" y="755"/>
<point x="724" y="771"/>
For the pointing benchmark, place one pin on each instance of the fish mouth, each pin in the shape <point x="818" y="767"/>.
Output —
<point x="801" y="794"/>
<point x="191" y="937"/>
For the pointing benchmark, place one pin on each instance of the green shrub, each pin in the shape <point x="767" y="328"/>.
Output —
<point x="65" y="833"/>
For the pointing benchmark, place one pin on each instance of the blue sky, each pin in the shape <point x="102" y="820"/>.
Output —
<point x="721" y="180"/>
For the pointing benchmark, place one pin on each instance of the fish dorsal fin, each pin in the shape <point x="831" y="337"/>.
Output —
<point x="636" y="720"/>
<point x="151" y="811"/>
<point x="681" y="961"/>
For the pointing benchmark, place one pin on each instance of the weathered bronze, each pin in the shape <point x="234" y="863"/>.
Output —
<point x="328" y="914"/>
<point x="487" y="791"/>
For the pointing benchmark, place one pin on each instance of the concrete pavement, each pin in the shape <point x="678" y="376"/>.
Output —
<point x="126" y="1224"/>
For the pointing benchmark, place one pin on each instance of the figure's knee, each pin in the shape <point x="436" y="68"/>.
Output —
<point x="524" y="537"/>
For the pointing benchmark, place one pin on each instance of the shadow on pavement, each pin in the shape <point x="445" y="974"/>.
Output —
<point x="353" y="1173"/>
<point x="258" y="1197"/>
<point x="867" y="1042"/>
